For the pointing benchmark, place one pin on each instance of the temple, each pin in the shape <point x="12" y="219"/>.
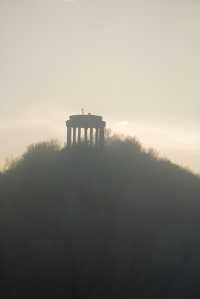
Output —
<point x="86" y="128"/>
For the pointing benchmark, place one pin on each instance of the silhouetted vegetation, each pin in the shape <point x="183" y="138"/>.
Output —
<point x="85" y="223"/>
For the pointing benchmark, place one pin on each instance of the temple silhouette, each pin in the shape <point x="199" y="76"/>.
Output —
<point x="86" y="128"/>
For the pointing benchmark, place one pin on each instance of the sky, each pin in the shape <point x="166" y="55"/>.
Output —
<point x="135" y="62"/>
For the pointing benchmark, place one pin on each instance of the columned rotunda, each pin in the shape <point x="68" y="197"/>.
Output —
<point x="86" y="128"/>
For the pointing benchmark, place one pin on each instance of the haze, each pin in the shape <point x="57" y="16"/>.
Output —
<point x="134" y="62"/>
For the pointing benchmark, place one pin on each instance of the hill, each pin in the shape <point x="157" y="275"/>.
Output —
<point x="85" y="223"/>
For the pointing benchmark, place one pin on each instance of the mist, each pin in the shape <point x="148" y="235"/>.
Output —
<point x="132" y="61"/>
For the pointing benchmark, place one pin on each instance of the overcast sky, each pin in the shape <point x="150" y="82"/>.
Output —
<point x="136" y="62"/>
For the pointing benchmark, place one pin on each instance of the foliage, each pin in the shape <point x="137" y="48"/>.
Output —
<point x="81" y="222"/>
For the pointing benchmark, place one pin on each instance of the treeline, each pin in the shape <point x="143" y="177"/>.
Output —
<point x="89" y="223"/>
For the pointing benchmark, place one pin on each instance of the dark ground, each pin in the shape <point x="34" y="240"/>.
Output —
<point x="84" y="223"/>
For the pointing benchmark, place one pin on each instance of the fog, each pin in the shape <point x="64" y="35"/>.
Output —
<point x="134" y="62"/>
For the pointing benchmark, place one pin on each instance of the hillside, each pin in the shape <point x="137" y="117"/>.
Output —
<point x="85" y="223"/>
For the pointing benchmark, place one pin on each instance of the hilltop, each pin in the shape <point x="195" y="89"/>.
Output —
<point x="87" y="223"/>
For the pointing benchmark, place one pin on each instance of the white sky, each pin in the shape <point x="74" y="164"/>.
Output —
<point x="136" y="62"/>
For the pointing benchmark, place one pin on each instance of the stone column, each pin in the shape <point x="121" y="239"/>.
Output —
<point x="79" y="134"/>
<point x="69" y="135"/>
<point x="86" y="138"/>
<point x="102" y="137"/>
<point x="97" y="136"/>
<point x="91" y="136"/>
<point x="74" y="135"/>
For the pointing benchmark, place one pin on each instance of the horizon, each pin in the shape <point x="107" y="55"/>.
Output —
<point x="135" y="63"/>
<point x="123" y="129"/>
